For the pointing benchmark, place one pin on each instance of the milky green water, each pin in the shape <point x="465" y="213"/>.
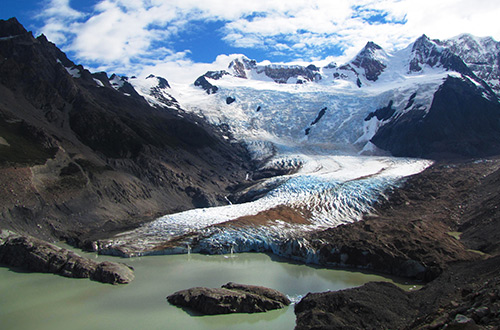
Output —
<point x="46" y="301"/>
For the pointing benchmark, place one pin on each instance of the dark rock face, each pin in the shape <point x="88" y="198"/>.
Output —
<point x="230" y="298"/>
<point x="35" y="255"/>
<point x="130" y="161"/>
<point x="427" y="52"/>
<point x="367" y="60"/>
<point x="279" y="73"/>
<point x="320" y="115"/>
<point x="230" y="100"/>
<point x="462" y="122"/>
<point x="375" y="305"/>
<point x="239" y="67"/>
<point x="467" y="296"/>
<point x="208" y="87"/>
<point x="382" y="113"/>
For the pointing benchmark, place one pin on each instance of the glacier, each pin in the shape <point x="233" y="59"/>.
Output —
<point x="319" y="129"/>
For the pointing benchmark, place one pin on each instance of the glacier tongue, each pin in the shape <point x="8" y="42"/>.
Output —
<point x="334" y="189"/>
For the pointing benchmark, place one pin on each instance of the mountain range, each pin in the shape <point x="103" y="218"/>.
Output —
<point x="427" y="100"/>
<point x="115" y="139"/>
<point x="85" y="156"/>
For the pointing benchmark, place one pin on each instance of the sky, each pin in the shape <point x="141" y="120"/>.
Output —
<point x="182" y="39"/>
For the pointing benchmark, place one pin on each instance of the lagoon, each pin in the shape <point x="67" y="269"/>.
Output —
<point x="47" y="301"/>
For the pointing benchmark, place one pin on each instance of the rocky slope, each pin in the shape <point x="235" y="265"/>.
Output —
<point x="442" y="223"/>
<point x="84" y="153"/>
<point x="482" y="56"/>
<point x="414" y="233"/>
<point x="466" y="296"/>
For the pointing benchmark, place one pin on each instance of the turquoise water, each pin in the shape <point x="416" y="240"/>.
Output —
<point x="46" y="301"/>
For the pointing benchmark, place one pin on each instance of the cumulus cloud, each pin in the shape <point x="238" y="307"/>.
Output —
<point x="127" y="35"/>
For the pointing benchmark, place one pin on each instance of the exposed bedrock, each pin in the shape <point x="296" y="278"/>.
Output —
<point x="466" y="296"/>
<point x="31" y="254"/>
<point x="230" y="298"/>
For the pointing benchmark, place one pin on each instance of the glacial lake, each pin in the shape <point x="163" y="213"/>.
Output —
<point x="47" y="301"/>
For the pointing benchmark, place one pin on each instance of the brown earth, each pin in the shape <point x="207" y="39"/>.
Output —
<point x="279" y="213"/>
<point x="466" y="296"/>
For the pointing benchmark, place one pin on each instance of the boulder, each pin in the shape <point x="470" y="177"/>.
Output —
<point x="112" y="272"/>
<point x="230" y="298"/>
<point x="32" y="254"/>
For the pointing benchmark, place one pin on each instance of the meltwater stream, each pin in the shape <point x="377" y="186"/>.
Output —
<point x="46" y="301"/>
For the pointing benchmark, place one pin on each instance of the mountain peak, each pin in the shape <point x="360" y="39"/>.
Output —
<point x="481" y="55"/>
<point x="162" y="82"/>
<point x="240" y="65"/>
<point x="430" y="53"/>
<point x="372" y="58"/>
<point x="371" y="45"/>
<point x="11" y="27"/>
<point x="424" y="52"/>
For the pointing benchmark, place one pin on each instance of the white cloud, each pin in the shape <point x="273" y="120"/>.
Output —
<point x="133" y="34"/>
<point x="180" y="70"/>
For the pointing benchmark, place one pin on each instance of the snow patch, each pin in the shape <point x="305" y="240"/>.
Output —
<point x="4" y="142"/>
<point x="98" y="82"/>
<point x="73" y="71"/>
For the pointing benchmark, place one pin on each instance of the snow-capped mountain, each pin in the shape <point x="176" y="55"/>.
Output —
<point x="345" y="107"/>
<point x="421" y="101"/>
<point x="482" y="56"/>
<point x="368" y="64"/>
<point x="92" y="143"/>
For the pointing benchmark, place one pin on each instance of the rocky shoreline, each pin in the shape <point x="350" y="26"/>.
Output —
<point x="466" y="296"/>
<point x="34" y="255"/>
<point x="427" y="229"/>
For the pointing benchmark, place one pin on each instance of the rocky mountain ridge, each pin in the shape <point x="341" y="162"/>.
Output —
<point x="85" y="151"/>
<point x="482" y="56"/>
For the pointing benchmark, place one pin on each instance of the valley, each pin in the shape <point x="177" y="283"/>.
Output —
<point x="386" y="163"/>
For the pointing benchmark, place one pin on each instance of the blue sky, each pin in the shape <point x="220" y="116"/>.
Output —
<point x="179" y="38"/>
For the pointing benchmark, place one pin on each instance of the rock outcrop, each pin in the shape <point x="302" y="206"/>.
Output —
<point x="230" y="298"/>
<point x="463" y="121"/>
<point x="375" y="305"/>
<point x="32" y="254"/>
<point x="466" y="296"/>
<point x="370" y="59"/>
